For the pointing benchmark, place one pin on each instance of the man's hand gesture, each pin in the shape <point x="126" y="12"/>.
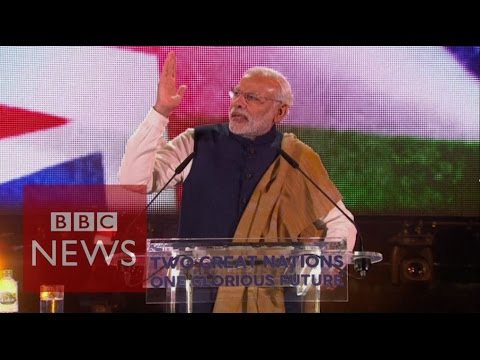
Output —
<point x="168" y="97"/>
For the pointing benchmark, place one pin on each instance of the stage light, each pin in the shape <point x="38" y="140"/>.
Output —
<point x="412" y="257"/>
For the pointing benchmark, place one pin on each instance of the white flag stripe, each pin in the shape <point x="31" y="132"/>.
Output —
<point x="412" y="91"/>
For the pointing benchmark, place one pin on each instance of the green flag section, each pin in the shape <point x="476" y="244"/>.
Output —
<point x="382" y="175"/>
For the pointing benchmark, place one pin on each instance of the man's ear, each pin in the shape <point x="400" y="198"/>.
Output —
<point x="282" y="111"/>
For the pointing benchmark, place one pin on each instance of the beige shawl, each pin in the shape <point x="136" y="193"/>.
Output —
<point x="283" y="206"/>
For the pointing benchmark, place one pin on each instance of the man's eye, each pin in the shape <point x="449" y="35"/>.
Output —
<point x="251" y="97"/>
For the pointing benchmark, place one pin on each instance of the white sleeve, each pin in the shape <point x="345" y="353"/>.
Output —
<point x="150" y="160"/>
<point x="339" y="226"/>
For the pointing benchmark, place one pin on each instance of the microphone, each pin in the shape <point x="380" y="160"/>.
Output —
<point x="361" y="262"/>
<point x="178" y="170"/>
<point x="182" y="165"/>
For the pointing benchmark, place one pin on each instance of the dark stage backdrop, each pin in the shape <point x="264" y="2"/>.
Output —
<point x="396" y="127"/>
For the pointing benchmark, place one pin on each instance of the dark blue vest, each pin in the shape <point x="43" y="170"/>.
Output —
<point x="224" y="174"/>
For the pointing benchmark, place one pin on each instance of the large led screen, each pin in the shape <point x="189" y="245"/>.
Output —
<point x="396" y="127"/>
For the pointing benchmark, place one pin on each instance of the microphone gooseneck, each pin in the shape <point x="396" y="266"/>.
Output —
<point x="183" y="164"/>
<point x="178" y="170"/>
<point x="361" y="263"/>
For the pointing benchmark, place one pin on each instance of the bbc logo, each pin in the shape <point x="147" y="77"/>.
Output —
<point x="83" y="221"/>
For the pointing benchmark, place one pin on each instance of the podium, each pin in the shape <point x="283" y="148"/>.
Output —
<point x="248" y="275"/>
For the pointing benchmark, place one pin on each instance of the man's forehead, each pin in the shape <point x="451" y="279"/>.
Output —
<point x="258" y="83"/>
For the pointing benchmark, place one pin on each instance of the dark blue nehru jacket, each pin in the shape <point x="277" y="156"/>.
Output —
<point x="224" y="174"/>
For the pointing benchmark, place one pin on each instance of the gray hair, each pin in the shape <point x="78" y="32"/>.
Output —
<point x="286" y="95"/>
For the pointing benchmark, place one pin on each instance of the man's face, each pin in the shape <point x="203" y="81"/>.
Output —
<point x="252" y="110"/>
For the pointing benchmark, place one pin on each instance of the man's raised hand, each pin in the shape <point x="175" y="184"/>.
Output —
<point x="168" y="97"/>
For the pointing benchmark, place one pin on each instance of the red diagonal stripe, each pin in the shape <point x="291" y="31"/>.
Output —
<point x="16" y="121"/>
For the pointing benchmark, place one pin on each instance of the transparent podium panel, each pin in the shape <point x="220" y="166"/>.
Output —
<point x="238" y="275"/>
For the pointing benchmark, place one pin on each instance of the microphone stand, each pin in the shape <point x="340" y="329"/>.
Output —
<point x="362" y="261"/>
<point x="127" y="275"/>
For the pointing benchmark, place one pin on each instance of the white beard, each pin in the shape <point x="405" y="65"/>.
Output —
<point x="251" y="128"/>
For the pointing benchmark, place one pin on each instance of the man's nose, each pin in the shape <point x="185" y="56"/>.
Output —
<point x="239" y="101"/>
